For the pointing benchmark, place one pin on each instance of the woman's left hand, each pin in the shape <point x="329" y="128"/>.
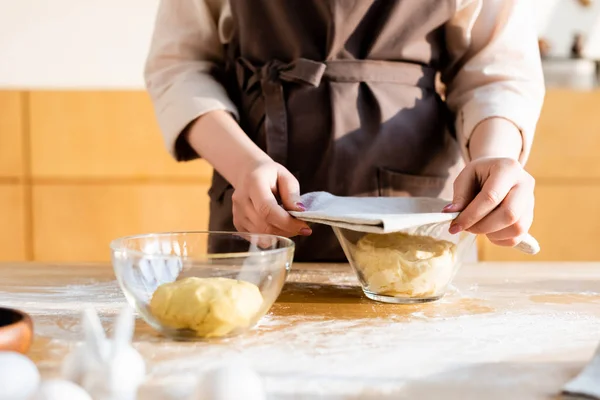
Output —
<point x="495" y="198"/>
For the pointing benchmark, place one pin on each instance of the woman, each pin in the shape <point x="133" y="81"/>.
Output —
<point x="284" y="97"/>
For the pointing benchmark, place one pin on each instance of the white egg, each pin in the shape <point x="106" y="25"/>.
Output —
<point x="19" y="377"/>
<point x="232" y="382"/>
<point x="58" y="389"/>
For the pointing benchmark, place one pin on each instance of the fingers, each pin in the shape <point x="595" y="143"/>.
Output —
<point x="255" y="208"/>
<point x="514" y="211"/>
<point x="261" y="225"/>
<point x="289" y="191"/>
<point x="516" y="230"/>
<point x="255" y="224"/>
<point x="465" y="189"/>
<point x="507" y="243"/>
<point x="271" y="213"/>
<point x="496" y="187"/>
<point x="503" y="208"/>
<point x="513" y="234"/>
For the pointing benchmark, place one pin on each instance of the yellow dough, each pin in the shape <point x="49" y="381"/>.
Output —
<point x="211" y="307"/>
<point x="399" y="264"/>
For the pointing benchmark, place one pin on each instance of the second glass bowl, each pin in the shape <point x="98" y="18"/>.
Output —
<point x="250" y="265"/>
<point x="415" y="266"/>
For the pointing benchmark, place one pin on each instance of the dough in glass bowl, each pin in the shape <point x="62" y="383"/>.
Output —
<point x="399" y="264"/>
<point x="211" y="307"/>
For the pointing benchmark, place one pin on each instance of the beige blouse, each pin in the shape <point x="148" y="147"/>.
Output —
<point x="495" y="41"/>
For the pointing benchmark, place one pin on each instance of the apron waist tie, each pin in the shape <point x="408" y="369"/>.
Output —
<point x="305" y="72"/>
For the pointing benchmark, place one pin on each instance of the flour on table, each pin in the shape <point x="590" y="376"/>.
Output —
<point x="311" y="357"/>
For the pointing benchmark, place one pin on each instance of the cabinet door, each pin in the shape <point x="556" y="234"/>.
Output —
<point x="101" y="135"/>
<point x="13" y="237"/>
<point x="76" y="222"/>
<point x="567" y="225"/>
<point x="567" y="138"/>
<point x="11" y="134"/>
<point x="564" y="161"/>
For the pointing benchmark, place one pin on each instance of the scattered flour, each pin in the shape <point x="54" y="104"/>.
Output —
<point x="310" y="356"/>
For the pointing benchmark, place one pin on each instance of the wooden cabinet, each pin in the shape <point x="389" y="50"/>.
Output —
<point x="106" y="135"/>
<point x="564" y="161"/>
<point x="12" y="113"/>
<point x="13" y="224"/>
<point x="100" y="171"/>
<point x="80" y="168"/>
<point x="14" y="240"/>
<point x="567" y="225"/>
<point x="76" y="222"/>
<point x="567" y="140"/>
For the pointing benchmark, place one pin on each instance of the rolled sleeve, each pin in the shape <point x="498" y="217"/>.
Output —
<point x="180" y="69"/>
<point x="495" y="68"/>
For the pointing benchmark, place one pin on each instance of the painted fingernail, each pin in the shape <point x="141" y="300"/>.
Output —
<point x="305" y="231"/>
<point x="449" y="207"/>
<point x="301" y="206"/>
<point x="454" y="229"/>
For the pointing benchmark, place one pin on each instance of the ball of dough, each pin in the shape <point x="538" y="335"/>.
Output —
<point x="211" y="307"/>
<point x="399" y="264"/>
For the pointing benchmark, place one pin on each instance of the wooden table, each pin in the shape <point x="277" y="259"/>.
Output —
<point x="517" y="331"/>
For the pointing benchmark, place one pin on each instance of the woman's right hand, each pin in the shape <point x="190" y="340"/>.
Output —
<point x="257" y="179"/>
<point x="255" y="207"/>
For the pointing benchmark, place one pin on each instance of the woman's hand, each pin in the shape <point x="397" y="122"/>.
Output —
<point x="495" y="197"/>
<point x="257" y="179"/>
<point x="255" y="207"/>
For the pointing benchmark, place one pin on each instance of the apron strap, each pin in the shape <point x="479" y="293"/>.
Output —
<point x="270" y="76"/>
<point x="302" y="71"/>
<point x="398" y="72"/>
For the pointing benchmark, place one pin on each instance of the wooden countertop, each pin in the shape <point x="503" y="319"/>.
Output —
<point x="516" y="331"/>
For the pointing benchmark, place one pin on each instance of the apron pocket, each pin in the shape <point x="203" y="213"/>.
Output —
<point x="398" y="184"/>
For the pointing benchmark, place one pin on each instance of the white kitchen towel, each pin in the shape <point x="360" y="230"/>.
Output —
<point x="382" y="214"/>
<point x="372" y="214"/>
<point x="587" y="383"/>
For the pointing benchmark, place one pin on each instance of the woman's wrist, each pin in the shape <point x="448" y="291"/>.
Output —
<point x="217" y="137"/>
<point x="496" y="137"/>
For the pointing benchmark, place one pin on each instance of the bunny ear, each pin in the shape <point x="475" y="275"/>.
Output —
<point x="123" y="329"/>
<point x="94" y="333"/>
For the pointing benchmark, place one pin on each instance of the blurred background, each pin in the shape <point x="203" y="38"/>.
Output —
<point x="82" y="160"/>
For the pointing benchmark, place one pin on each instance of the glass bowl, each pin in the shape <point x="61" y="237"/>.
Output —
<point x="413" y="266"/>
<point x="243" y="264"/>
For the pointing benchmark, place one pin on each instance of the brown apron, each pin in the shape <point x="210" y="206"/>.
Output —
<point x="342" y="93"/>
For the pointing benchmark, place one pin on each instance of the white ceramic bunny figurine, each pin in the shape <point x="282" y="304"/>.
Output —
<point x="108" y="369"/>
